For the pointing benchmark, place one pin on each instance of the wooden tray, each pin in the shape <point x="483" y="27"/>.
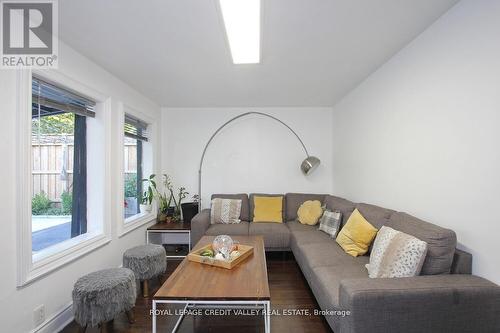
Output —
<point x="244" y="250"/>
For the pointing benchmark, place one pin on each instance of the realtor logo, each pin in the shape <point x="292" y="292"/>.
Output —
<point x="29" y="34"/>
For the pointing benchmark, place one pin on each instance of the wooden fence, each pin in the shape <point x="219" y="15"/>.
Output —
<point x="48" y="160"/>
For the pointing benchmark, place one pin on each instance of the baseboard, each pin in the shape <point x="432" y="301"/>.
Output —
<point x="57" y="322"/>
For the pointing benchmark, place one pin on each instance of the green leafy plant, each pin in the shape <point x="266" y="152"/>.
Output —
<point x="55" y="211"/>
<point x="181" y="195"/>
<point x="66" y="203"/>
<point x="58" y="124"/>
<point x="130" y="185"/>
<point x="165" y="198"/>
<point x="149" y="193"/>
<point x="40" y="204"/>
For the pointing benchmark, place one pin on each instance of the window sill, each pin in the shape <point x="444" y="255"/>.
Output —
<point x="62" y="254"/>
<point x="135" y="222"/>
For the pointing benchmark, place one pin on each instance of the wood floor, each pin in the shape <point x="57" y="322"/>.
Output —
<point x="289" y="290"/>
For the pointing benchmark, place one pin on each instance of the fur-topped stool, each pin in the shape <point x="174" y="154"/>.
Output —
<point x="146" y="261"/>
<point x="100" y="296"/>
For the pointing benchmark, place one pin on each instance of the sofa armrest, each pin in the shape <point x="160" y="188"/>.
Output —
<point x="462" y="262"/>
<point x="437" y="303"/>
<point x="199" y="225"/>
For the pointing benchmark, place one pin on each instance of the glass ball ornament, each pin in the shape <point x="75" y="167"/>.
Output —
<point x="223" y="244"/>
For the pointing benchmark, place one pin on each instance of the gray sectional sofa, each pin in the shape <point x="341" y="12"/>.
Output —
<point x="444" y="298"/>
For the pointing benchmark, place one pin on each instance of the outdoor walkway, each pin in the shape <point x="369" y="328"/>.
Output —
<point x="47" y="231"/>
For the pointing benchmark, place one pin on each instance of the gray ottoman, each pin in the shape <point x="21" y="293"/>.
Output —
<point x="99" y="296"/>
<point x="146" y="261"/>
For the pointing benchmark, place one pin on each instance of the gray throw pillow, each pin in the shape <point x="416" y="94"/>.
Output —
<point x="330" y="222"/>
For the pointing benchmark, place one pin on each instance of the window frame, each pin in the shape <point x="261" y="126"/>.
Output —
<point x="32" y="267"/>
<point x="139" y="172"/>
<point x="133" y="222"/>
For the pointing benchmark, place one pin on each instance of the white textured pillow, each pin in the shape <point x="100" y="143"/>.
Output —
<point x="396" y="254"/>
<point x="225" y="211"/>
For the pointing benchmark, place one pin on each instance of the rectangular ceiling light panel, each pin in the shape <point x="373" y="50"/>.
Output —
<point x="242" y="22"/>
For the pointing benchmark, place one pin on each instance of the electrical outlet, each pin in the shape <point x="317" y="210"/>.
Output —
<point x="39" y="315"/>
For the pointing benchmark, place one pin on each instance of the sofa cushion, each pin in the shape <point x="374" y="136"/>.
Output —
<point x="441" y="242"/>
<point x="276" y="235"/>
<point x="326" y="254"/>
<point x="236" y="229"/>
<point x="245" y="208"/>
<point x="308" y="237"/>
<point x="377" y="216"/>
<point x="346" y="207"/>
<point x="294" y="200"/>
<point x="297" y="226"/>
<point x="327" y="280"/>
<point x="252" y="204"/>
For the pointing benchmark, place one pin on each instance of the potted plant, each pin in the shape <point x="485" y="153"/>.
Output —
<point x="148" y="195"/>
<point x="165" y="211"/>
<point x="190" y="209"/>
<point x="177" y="203"/>
<point x="169" y="206"/>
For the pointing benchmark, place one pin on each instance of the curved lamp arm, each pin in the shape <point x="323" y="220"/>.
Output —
<point x="308" y="165"/>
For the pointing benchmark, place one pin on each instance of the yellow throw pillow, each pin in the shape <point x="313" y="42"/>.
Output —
<point x="268" y="209"/>
<point x="310" y="212"/>
<point x="357" y="235"/>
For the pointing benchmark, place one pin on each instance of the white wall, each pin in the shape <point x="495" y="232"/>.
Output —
<point x="422" y="133"/>
<point x="54" y="290"/>
<point x="254" y="154"/>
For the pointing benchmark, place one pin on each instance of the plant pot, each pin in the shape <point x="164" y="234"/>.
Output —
<point x="162" y="217"/>
<point x="170" y="211"/>
<point x="145" y="208"/>
<point x="130" y="206"/>
<point x="189" y="210"/>
<point x="167" y="216"/>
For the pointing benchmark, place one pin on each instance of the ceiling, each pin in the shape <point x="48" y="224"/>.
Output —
<point x="175" y="52"/>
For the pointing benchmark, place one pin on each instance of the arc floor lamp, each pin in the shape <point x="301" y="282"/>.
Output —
<point x="308" y="165"/>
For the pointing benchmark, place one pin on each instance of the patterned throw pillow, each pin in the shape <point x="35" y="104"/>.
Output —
<point x="225" y="211"/>
<point x="330" y="222"/>
<point x="396" y="254"/>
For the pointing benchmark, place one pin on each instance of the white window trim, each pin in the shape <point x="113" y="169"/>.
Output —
<point x="28" y="270"/>
<point x="127" y="225"/>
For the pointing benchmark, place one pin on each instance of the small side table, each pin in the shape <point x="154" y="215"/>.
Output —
<point x="173" y="233"/>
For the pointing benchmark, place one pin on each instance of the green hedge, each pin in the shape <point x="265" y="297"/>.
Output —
<point x="42" y="205"/>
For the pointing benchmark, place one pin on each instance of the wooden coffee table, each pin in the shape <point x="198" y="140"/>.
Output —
<point x="198" y="285"/>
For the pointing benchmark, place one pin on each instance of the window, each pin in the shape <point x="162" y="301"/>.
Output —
<point x="137" y="163"/>
<point x="135" y="137"/>
<point x="59" y="164"/>
<point x="60" y="117"/>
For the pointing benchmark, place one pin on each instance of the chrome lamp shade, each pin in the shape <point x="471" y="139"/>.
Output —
<point x="309" y="164"/>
